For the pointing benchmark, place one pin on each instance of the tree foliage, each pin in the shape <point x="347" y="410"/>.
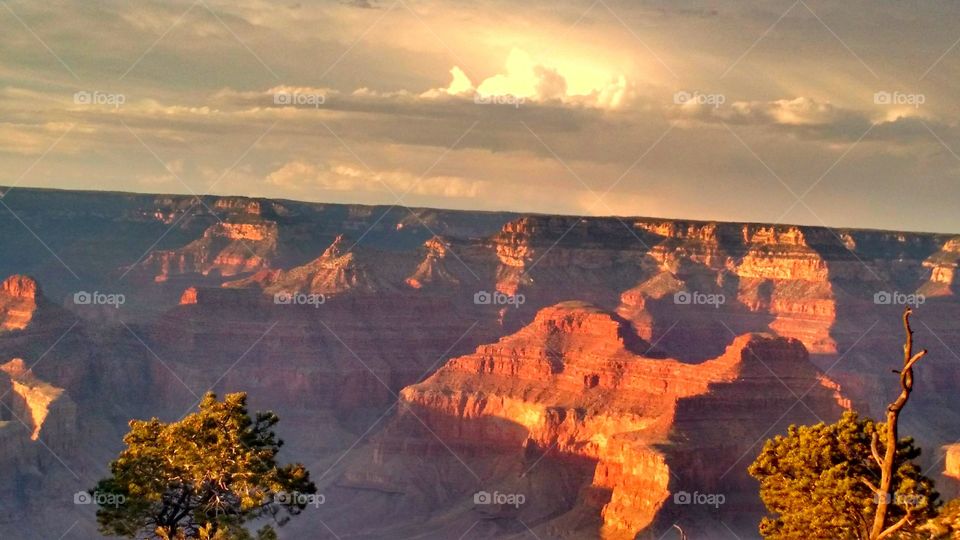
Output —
<point x="946" y="524"/>
<point x="202" y="477"/>
<point x="816" y="481"/>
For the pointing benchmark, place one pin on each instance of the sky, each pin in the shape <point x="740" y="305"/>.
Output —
<point x="809" y="112"/>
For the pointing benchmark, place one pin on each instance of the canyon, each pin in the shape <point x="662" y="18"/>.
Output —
<point x="452" y="374"/>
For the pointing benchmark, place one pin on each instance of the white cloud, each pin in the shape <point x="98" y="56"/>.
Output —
<point x="537" y="81"/>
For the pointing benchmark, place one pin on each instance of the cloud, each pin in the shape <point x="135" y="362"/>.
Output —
<point x="170" y="177"/>
<point x="800" y="111"/>
<point x="536" y="81"/>
<point x="305" y="176"/>
<point x="362" y="4"/>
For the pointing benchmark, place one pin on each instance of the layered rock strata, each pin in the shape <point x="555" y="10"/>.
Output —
<point x="575" y="383"/>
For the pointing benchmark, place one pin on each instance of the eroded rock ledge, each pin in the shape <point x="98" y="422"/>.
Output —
<point x="575" y="383"/>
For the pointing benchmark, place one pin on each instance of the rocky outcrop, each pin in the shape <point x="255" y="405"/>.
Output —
<point x="225" y="248"/>
<point x="576" y="383"/>
<point x="782" y="275"/>
<point x="19" y="298"/>
<point x="942" y="265"/>
<point x="46" y="409"/>
<point x="546" y="256"/>
<point x="433" y="271"/>
<point x="952" y="461"/>
<point x="342" y="268"/>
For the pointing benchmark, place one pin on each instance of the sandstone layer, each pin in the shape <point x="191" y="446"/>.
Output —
<point x="575" y="384"/>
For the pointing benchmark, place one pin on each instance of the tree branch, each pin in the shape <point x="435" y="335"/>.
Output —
<point x="888" y="464"/>
<point x="915" y="359"/>
<point x="875" y="449"/>
<point x="896" y="526"/>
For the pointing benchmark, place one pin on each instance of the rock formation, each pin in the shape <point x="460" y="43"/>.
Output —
<point x="44" y="408"/>
<point x="343" y="267"/>
<point x="434" y="270"/>
<point x="944" y="280"/>
<point x="19" y="297"/>
<point x="227" y="248"/>
<point x="576" y="384"/>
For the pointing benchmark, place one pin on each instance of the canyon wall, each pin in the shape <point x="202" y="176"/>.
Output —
<point x="599" y="366"/>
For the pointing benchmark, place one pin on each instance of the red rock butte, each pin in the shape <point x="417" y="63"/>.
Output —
<point x="576" y="383"/>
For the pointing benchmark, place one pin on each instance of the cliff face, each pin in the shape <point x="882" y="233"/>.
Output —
<point x="549" y="257"/>
<point x="575" y="384"/>
<point x="793" y="281"/>
<point x="943" y="270"/>
<point x="783" y="275"/>
<point x="38" y="422"/>
<point x="338" y="270"/>
<point x="18" y="302"/>
<point x="226" y="248"/>
<point x="44" y="408"/>
<point x="434" y="270"/>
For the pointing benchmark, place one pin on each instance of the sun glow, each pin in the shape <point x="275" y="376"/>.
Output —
<point x="536" y="79"/>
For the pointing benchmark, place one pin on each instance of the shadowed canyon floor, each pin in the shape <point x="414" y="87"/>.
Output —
<point x="451" y="374"/>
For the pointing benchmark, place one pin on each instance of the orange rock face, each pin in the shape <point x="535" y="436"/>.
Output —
<point x="189" y="296"/>
<point x="227" y="248"/>
<point x="18" y="302"/>
<point x="576" y="383"/>
<point x="943" y="270"/>
<point x="433" y="270"/>
<point x="37" y="401"/>
<point x="952" y="461"/>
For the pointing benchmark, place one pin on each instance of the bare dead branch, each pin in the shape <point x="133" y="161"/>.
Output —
<point x="888" y="462"/>
<point x="896" y="526"/>
<point x="874" y="448"/>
